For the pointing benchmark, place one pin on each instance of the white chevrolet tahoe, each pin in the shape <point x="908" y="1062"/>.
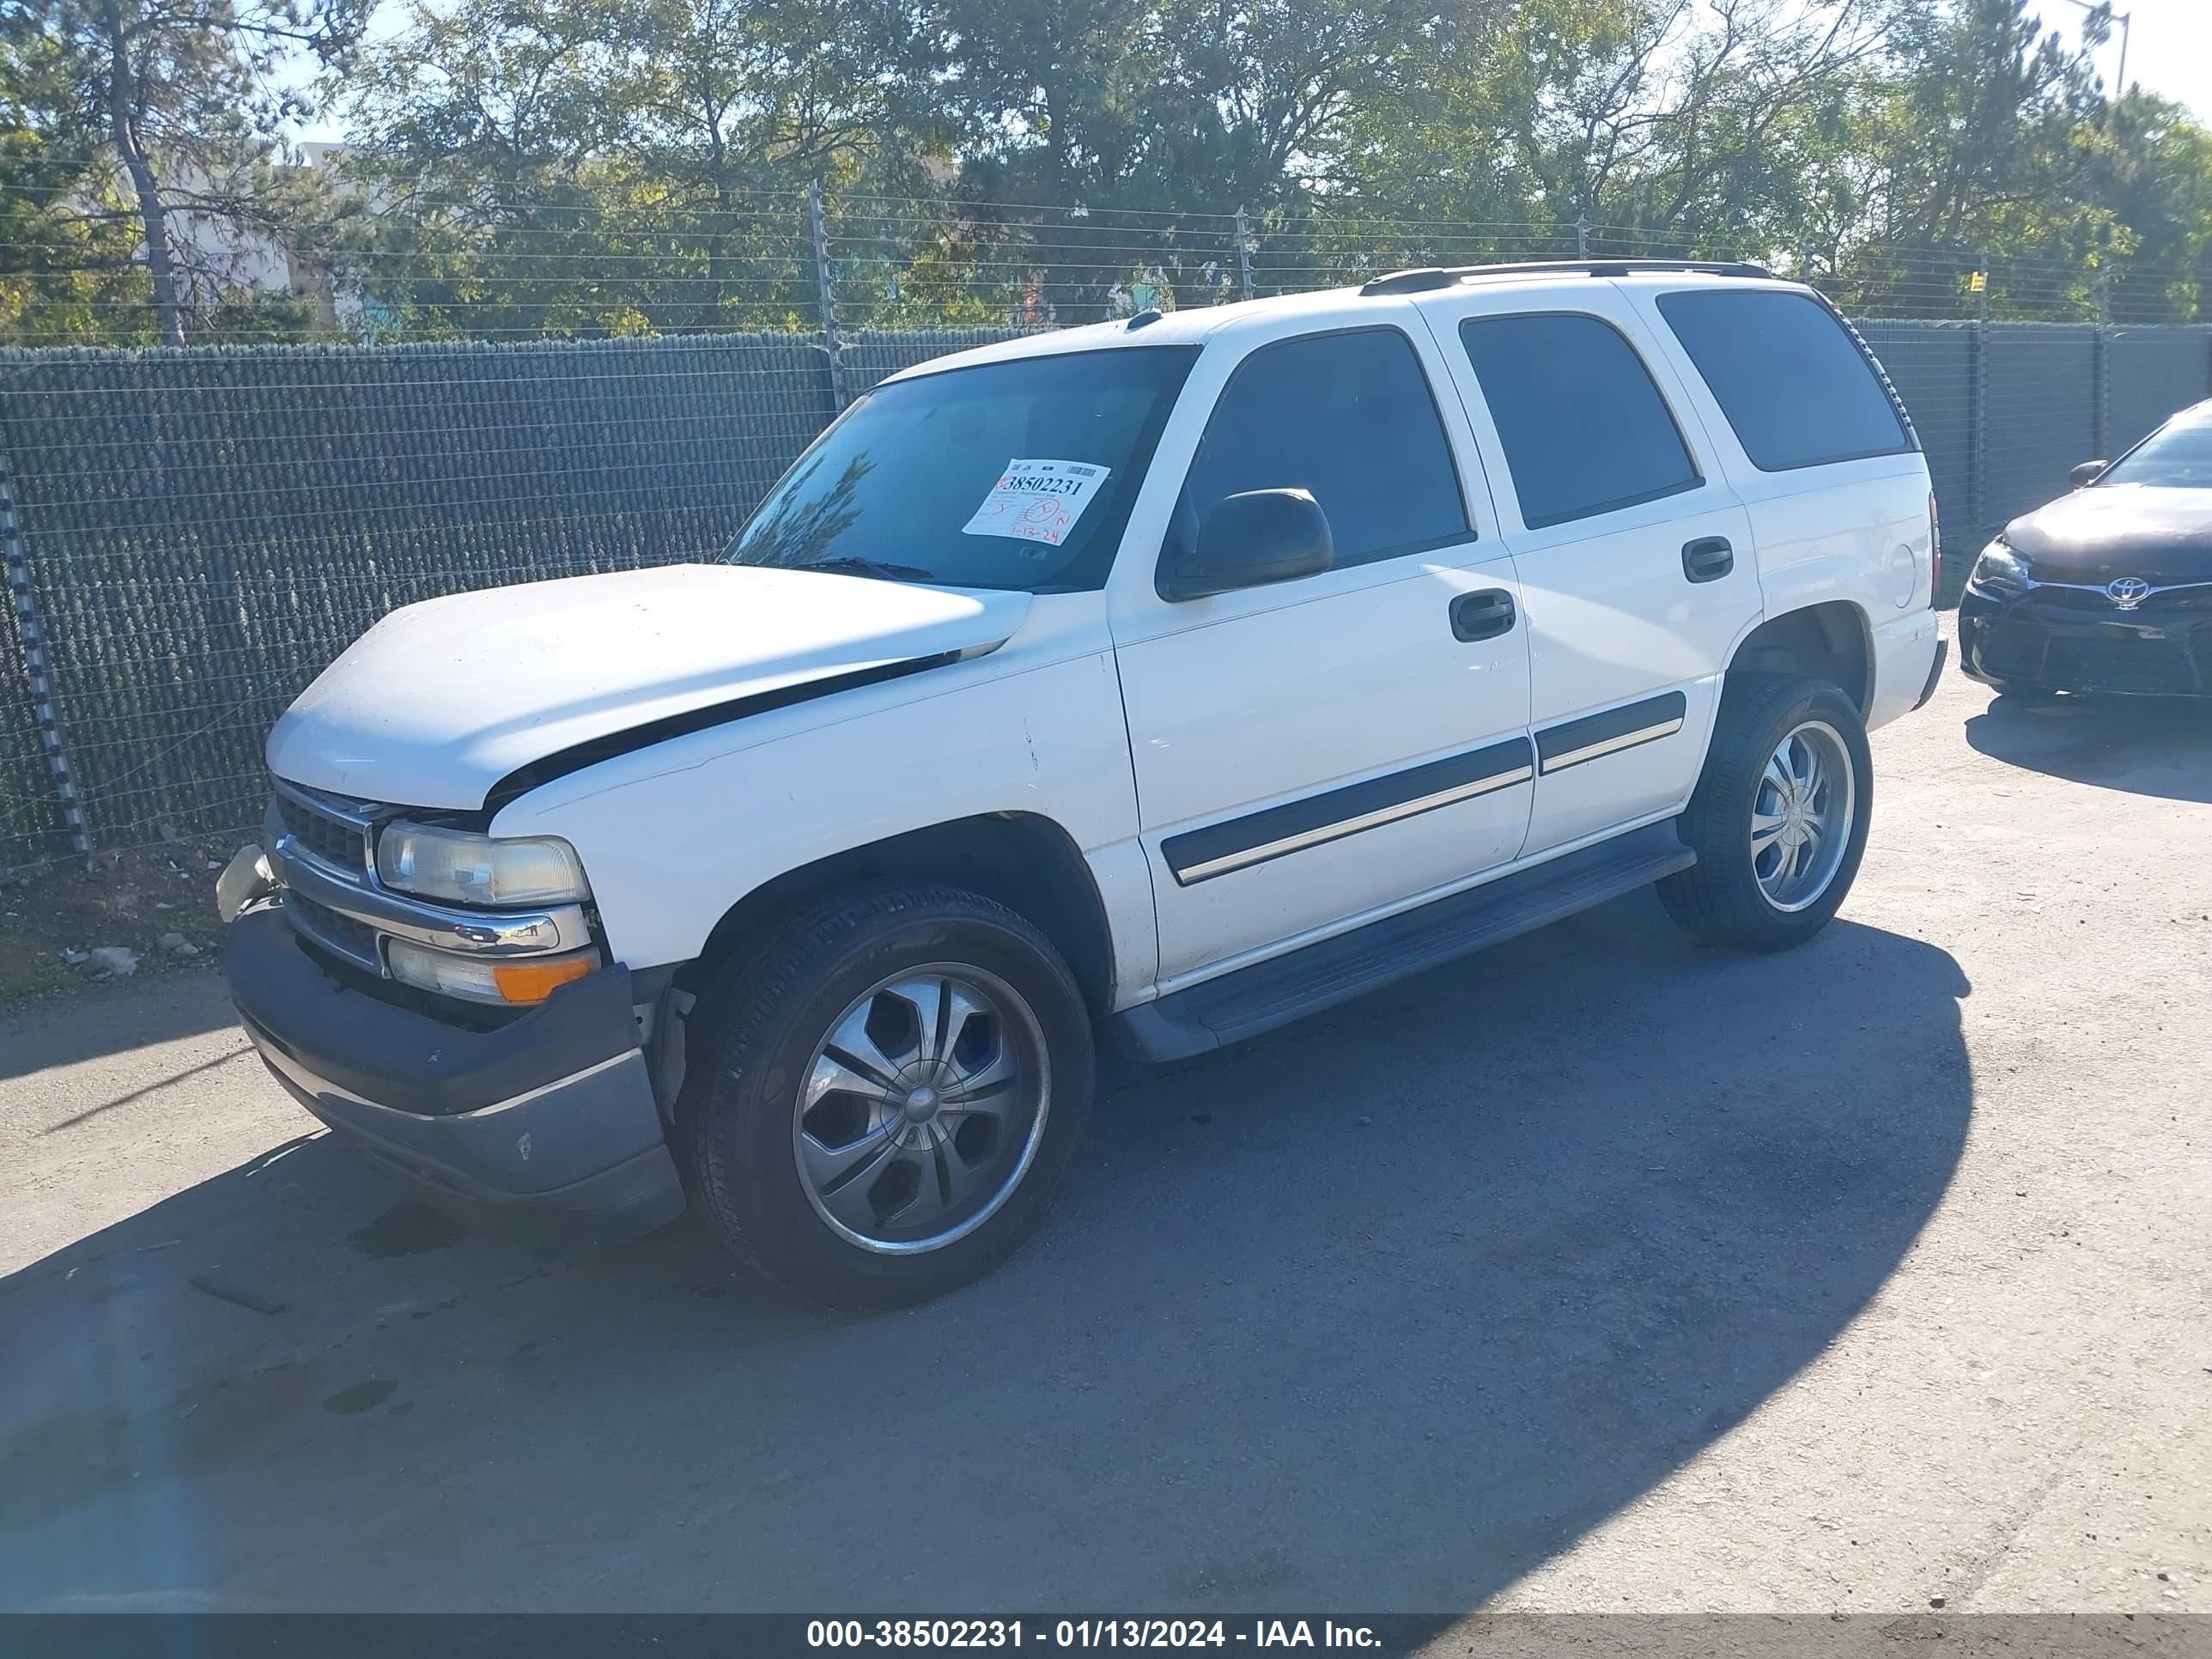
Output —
<point x="1166" y="679"/>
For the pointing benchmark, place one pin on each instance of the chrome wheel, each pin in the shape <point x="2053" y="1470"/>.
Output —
<point x="922" y="1109"/>
<point x="1801" y="816"/>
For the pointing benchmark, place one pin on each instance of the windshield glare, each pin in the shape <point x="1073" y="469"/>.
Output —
<point x="2177" y="456"/>
<point x="1012" y="474"/>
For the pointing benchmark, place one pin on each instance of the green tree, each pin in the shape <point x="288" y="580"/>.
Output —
<point x="2156" y="175"/>
<point x="1982" y="140"/>
<point x="1151" y="121"/>
<point x="68" y="265"/>
<point x="184" y="100"/>
<point x="1659" y="125"/>
<point x="530" y="167"/>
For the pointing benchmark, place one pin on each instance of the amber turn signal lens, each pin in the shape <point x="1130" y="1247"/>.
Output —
<point x="534" y="982"/>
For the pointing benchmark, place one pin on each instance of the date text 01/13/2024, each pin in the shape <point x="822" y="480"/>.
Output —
<point x="1085" y="1633"/>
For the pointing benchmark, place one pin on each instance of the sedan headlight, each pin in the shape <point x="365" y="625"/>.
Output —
<point x="464" y="868"/>
<point x="1999" y="570"/>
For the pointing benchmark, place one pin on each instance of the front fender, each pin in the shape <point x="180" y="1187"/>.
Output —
<point x="672" y="836"/>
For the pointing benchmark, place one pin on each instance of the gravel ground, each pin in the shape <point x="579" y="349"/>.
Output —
<point x="65" y="929"/>
<point x="1604" y="1273"/>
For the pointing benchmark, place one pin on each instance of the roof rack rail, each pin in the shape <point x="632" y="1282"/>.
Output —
<point x="1423" y="278"/>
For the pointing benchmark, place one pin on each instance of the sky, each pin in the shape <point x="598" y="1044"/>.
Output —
<point x="2169" y="51"/>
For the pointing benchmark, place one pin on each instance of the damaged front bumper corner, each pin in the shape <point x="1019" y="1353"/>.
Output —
<point x="551" y="1116"/>
<point x="247" y="880"/>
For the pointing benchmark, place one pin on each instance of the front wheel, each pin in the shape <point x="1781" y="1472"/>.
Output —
<point x="1779" y="819"/>
<point x="886" y="1093"/>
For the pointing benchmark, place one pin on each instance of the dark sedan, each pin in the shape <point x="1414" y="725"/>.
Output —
<point x="2108" y="589"/>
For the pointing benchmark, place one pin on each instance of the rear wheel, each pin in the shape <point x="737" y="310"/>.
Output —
<point x="886" y="1094"/>
<point x="1779" y="819"/>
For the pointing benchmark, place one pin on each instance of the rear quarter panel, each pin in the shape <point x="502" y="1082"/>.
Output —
<point x="1855" y="531"/>
<point x="1858" y="533"/>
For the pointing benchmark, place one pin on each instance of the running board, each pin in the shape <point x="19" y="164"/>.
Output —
<point x="1258" y="998"/>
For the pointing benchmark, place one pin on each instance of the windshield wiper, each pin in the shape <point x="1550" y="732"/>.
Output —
<point x="854" y="565"/>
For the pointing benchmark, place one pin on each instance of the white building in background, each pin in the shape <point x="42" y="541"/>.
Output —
<point x="219" y="255"/>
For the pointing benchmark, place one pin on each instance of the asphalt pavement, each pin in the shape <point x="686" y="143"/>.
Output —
<point x="1605" y="1272"/>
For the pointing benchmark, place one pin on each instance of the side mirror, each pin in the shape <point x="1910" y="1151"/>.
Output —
<point x="2087" y="474"/>
<point x="1249" y="540"/>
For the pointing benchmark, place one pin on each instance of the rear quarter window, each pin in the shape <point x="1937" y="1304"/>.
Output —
<point x="1795" y="387"/>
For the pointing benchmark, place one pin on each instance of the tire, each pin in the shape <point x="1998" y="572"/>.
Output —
<point x="1723" y="897"/>
<point x="917" y="1167"/>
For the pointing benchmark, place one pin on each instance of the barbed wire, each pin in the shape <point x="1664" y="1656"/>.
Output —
<point x="387" y="262"/>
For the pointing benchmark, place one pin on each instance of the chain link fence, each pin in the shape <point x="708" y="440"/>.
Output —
<point x="196" y="533"/>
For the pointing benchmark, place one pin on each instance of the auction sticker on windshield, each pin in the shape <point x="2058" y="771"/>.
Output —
<point x="1037" y="501"/>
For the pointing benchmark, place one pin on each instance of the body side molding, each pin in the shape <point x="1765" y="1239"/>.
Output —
<point x="1586" y="739"/>
<point x="1198" y="856"/>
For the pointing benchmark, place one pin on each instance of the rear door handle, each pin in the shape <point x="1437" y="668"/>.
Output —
<point x="1707" y="559"/>
<point x="1482" y="615"/>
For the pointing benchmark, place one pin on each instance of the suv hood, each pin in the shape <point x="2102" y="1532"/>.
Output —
<point x="440" y="700"/>
<point x="2161" y="534"/>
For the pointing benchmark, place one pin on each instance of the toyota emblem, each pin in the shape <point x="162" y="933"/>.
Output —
<point x="2127" y="592"/>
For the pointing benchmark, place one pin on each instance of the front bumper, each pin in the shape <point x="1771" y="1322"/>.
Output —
<point x="2076" y="640"/>
<point x="552" y="1114"/>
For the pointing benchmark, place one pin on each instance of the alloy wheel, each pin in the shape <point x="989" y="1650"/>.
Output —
<point x="921" y="1109"/>
<point x="1801" y="816"/>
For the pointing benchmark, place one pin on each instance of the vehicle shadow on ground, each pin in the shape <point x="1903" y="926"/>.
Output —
<point x="2159" y="746"/>
<point x="103" y="1019"/>
<point x="1377" y="1314"/>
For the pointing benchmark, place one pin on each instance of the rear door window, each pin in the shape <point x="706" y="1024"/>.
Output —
<point x="1583" y="427"/>
<point x="1349" y="416"/>
<point x="1796" y="389"/>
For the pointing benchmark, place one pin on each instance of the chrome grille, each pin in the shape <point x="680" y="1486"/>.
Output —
<point x="336" y="840"/>
<point x="319" y="847"/>
<point x="337" y="933"/>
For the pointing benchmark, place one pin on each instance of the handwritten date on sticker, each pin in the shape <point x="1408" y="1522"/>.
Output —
<point x="1037" y="501"/>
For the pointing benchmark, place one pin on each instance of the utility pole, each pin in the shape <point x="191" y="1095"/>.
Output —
<point x="1243" y="255"/>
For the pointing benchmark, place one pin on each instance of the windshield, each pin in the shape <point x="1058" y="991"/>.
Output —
<point x="2178" y="455"/>
<point x="1013" y="475"/>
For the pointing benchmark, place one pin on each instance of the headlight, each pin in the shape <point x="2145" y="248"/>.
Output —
<point x="2000" y="570"/>
<point x="510" y="981"/>
<point x="470" y="869"/>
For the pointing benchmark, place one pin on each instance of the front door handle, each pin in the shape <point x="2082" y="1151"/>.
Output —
<point x="1707" y="559"/>
<point x="1482" y="615"/>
